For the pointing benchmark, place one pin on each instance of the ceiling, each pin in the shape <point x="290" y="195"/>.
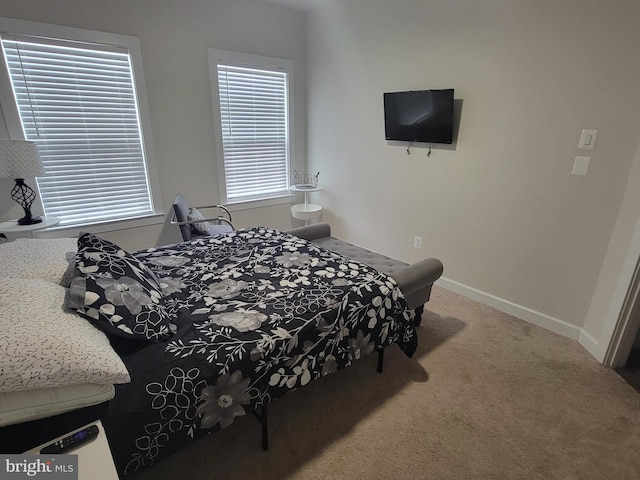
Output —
<point x="297" y="4"/>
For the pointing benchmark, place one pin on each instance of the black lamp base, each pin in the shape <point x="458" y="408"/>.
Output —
<point x="29" y="220"/>
<point x="24" y="195"/>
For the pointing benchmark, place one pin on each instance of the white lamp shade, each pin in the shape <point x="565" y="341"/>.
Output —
<point x="20" y="159"/>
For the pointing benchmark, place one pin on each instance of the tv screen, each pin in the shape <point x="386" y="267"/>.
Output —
<point x="419" y="116"/>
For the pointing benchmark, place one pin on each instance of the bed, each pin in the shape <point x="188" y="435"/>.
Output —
<point x="218" y="327"/>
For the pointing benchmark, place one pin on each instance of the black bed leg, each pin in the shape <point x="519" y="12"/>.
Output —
<point x="265" y="427"/>
<point x="417" y="320"/>
<point x="263" y="418"/>
<point x="380" y="359"/>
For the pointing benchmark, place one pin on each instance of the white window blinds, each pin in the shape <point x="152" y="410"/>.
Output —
<point x="254" y="123"/>
<point x="77" y="102"/>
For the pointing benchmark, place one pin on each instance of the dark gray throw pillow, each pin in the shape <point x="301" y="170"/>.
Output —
<point x="117" y="292"/>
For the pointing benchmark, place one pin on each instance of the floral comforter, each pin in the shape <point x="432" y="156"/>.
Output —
<point x="258" y="313"/>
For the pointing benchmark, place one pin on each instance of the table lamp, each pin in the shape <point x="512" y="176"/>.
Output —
<point x="19" y="159"/>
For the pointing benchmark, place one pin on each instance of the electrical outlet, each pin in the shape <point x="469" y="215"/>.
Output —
<point x="417" y="242"/>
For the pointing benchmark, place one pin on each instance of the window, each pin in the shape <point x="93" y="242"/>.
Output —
<point x="78" y="101"/>
<point x="251" y="102"/>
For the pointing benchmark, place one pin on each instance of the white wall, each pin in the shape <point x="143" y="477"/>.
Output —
<point x="501" y="210"/>
<point x="175" y="36"/>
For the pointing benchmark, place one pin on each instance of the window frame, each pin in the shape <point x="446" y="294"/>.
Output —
<point x="14" y="124"/>
<point x="239" y="59"/>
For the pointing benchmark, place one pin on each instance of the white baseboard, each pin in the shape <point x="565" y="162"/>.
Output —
<point x="591" y="345"/>
<point x="545" y="321"/>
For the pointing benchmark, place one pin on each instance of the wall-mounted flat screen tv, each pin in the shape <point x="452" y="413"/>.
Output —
<point x="419" y="116"/>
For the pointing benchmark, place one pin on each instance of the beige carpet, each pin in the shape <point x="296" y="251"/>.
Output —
<point x="486" y="396"/>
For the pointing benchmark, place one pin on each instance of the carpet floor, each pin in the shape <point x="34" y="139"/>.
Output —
<point x="486" y="396"/>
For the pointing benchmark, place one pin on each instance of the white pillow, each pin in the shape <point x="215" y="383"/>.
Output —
<point x="44" y="346"/>
<point x="49" y="259"/>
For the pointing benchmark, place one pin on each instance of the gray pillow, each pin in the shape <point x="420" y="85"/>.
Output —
<point x="198" y="228"/>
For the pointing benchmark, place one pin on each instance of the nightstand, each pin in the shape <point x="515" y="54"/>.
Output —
<point x="13" y="230"/>
<point x="94" y="458"/>
<point x="306" y="211"/>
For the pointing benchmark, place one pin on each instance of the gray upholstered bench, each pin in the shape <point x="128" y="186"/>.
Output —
<point x="415" y="280"/>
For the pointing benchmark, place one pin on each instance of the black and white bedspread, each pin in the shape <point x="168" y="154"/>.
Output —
<point x="259" y="313"/>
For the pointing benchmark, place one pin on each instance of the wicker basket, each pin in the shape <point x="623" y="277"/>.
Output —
<point x="305" y="180"/>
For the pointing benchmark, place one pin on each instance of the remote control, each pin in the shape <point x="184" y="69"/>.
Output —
<point x="71" y="442"/>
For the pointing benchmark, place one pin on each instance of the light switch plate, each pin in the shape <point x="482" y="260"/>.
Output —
<point x="581" y="165"/>
<point x="588" y="139"/>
